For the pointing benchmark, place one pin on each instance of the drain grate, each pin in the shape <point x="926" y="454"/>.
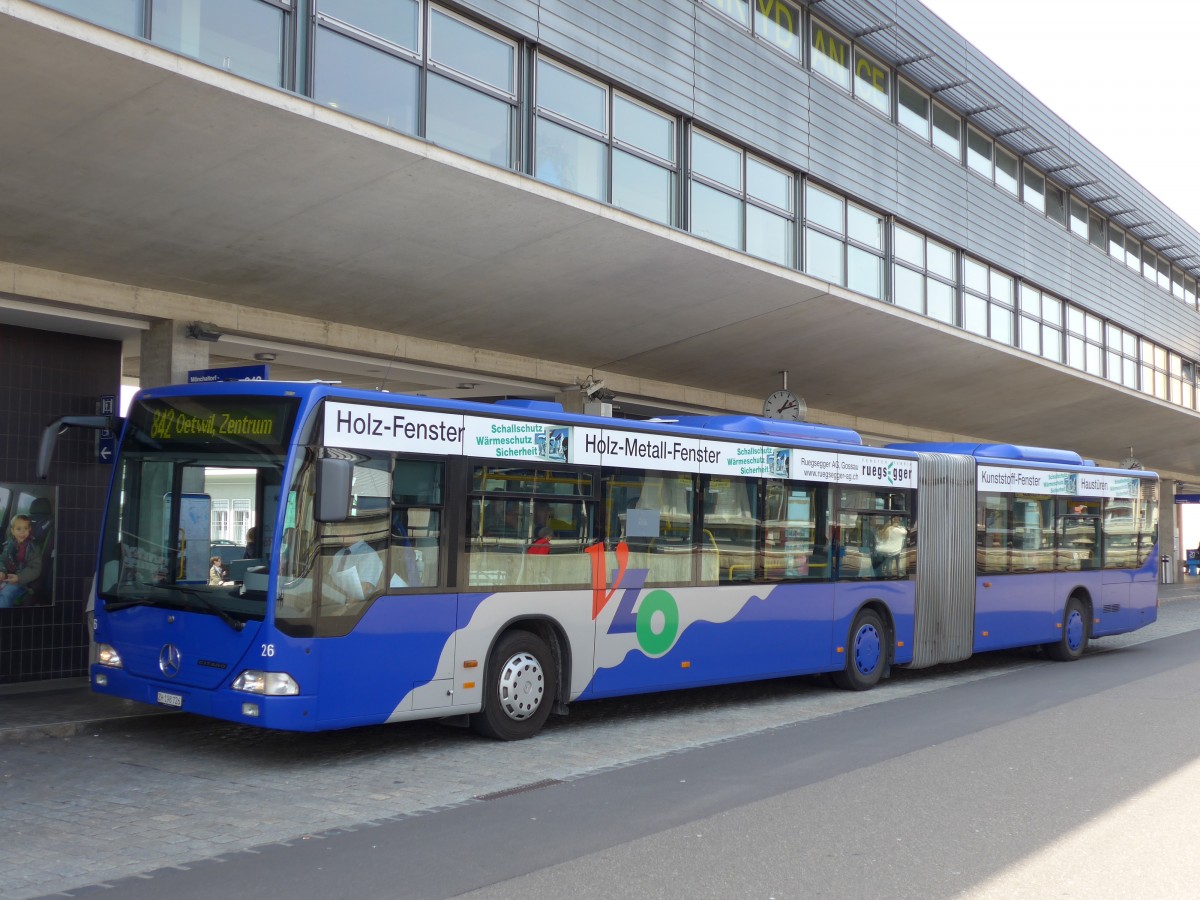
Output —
<point x="522" y="789"/>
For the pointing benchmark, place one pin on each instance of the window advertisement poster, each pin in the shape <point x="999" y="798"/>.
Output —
<point x="1012" y="480"/>
<point x="193" y="542"/>
<point x="27" y="549"/>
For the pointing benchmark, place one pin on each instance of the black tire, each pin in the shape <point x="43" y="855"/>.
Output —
<point x="521" y="682"/>
<point x="866" y="653"/>
<point x="1075" y="633"/>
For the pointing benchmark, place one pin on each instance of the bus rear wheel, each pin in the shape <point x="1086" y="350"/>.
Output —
<point x="866" y="653"/>
<point x="519" y="689"/>
<point x="1074" y="638"/>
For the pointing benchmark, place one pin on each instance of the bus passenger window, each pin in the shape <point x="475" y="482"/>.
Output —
<point x="873" y="537"/>
<point x="795" y="524"/>
<point x="652" y="512"/>
<point x="414" y="558"/>
<point x="731" y="525"/>
<point x="529" y="526"/>
<point x="351" y="553"/>
<point x="414" y="554"/>
<point x="1078" y="535"/>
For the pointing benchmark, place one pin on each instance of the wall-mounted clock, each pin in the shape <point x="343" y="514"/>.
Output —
<point x="783" y="404"/>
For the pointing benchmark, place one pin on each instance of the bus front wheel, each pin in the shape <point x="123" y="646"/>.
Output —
<point x="1074" y="638"/>
<point x="866" y="653"/>
<point x="519" y="690"/>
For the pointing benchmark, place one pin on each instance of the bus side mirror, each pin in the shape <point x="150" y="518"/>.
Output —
<point x="334" y="478"/>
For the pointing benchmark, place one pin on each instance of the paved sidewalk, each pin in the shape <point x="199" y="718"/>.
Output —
<point x="67" y="707"/>
<point x="63" y="708"/>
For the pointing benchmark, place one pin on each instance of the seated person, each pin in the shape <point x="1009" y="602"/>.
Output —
<point x="216" y="570"/>
<point x="541" y="545"/>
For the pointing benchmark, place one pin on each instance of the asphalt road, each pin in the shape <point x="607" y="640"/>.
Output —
<point x="1008" y="776"/>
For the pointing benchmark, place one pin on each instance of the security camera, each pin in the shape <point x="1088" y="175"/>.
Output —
<point x="592" y="388"/>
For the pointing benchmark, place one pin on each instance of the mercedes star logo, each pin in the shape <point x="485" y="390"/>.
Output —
<point x="168" y="660"/>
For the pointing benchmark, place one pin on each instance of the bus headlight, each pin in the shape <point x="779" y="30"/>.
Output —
<point x="272" y="684"/>
<point x="106" y="655"/>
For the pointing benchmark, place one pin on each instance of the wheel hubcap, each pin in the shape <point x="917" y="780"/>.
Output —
<point x="1075" y="630"/>
<point x="522" y="686"/>
<point x="867" y="648"/>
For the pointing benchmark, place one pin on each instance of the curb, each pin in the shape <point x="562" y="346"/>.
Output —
<point x="20" y="733"/>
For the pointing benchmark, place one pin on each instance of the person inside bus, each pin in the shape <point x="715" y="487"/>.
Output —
<point x="889" y="542"/>
<point x="541" y="544"/>
<point x="543" y="517"/>
<point x="251" y="543"/>
<point x="216" y="570"/>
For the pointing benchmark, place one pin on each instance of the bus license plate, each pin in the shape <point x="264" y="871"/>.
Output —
<point x="166" y="699"/>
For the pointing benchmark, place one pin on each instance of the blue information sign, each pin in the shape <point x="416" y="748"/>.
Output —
<point x="106" y="441"/>
<point x="106" y="448"/>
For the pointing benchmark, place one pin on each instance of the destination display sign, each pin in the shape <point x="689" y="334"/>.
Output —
<point x="358" y="426"/>
<point x="204" y="421"/>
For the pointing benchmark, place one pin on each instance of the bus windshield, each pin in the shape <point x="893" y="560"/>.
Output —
<point x="193" y="506"/>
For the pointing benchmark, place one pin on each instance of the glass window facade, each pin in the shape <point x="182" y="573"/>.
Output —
<point x="1034" y="188"/>
<point x="426" y="71"/>
<point x="912" y="109"/>
<point x="117" y="15"/>
<point x="947" y="131"/>
<point x="376" y="80"/>
<point x="843" y="242"/>
<point x="872" y="83"/>
<point x="738" y="10"/>
<point x="923" y="276"/>
<point x="571" y="142"/>
<point x="1040" y="323"/>
<point x="979" y="153"/>
<point x="778" y="23"/>
<point x="829" y="54"/>
<point x="244" y="37"/>
<point x="471" y="91"/>
<point x="1006" y="170"/>
<point x="740" y="200"/>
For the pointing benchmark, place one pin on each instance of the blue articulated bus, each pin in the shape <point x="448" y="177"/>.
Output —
<point x="492" y="563"/>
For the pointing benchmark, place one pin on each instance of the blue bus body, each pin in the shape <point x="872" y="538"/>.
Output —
<point x="636" y="595"/>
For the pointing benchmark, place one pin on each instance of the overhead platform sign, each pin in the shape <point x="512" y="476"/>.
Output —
<point x="231" y="373"/>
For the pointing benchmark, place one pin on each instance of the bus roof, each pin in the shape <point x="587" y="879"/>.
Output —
<point x="729" y="425"/>
<point x="1008" y="452"/>
<point x="798" y="431"/>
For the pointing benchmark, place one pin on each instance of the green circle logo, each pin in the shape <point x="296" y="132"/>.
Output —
<point x="657" y="622"/>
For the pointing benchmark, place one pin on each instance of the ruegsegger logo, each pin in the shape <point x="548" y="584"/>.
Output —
<point x="890" y="472"/>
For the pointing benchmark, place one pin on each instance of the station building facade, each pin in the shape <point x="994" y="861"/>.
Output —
<point x="860" y="156"/>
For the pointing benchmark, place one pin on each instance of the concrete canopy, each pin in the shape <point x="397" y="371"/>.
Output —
<point x="124" y="163"/>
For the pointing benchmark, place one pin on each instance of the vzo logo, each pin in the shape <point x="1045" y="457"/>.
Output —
<point x="656" y="619"/>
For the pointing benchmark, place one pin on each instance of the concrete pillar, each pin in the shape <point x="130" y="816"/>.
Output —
<point x="1168" y="531"/>
<point x="168" y="353"/>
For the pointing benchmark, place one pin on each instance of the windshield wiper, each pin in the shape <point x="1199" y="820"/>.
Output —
<point x="116" y="605"/>
<point x="235" y="624"/>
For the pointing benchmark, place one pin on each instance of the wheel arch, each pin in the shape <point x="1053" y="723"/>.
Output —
<point x="879" y="606"/>
<point x="555" y="636"/>
<point x="1084" y="596"/>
